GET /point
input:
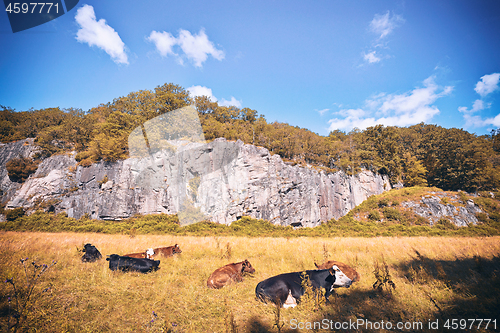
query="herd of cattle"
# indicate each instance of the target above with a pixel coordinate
(284, 289)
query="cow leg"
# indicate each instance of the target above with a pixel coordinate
(290, 301)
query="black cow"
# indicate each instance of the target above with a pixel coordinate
(126, 264)
(91, 253)
(286, 289)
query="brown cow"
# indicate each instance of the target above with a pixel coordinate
(163, 251)
(229, 274)
(346, 269)
(136, 255)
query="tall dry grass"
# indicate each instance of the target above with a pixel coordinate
(435, 279)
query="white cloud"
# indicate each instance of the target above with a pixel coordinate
(487, 84)
(204, 91)
(195, 91)
(100, 34)
(493, 121)
(163, 41)
(322, 112)
(196, 47)
(232, 102)
(405, 109)
(371, 57)
(477, 121)
(383, 25)
(477, 106)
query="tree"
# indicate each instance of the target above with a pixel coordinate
(415, 172)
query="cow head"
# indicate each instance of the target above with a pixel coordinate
(110, 257)
(246, 267)
(176, 249)
(341, 280)
(150, 253)
(87, 247)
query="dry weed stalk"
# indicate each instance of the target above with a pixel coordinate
(26, 298)
(277, 316)
(384, 280)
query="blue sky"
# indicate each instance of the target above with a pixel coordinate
(321, 65)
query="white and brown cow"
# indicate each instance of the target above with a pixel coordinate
(163, 251)
(346, 269)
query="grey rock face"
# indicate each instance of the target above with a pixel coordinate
(433, 209)
(21, 148)
(221, 180)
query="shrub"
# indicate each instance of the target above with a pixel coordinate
(374, 216)
(86, 162)
(482, 217)
(82, 156)
(463, 197)
(392, 214)
(445, 224)
(445, 200)
(420, 220)
(19, 169)
(14, 214)
(104, 180)
(383, 203)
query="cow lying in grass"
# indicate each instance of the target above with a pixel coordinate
(163, 251)
(91, 253)
(346, 269)
(287, 289)
(229, 274)
(140, 255)
(127, 264)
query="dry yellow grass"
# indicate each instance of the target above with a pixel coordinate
(444, 280)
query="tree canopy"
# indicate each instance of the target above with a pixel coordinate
(451, 159)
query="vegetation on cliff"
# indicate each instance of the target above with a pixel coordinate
(380, 215)
(451, 159)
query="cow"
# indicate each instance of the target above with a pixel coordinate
(127, 264)
(229, 274)
(91, 253)
(163, 251)
(286, 289)
(136, 255)
(346, 269)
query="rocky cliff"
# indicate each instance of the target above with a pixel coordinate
(221, 181)
(433, 207)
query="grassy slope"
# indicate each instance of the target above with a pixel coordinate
(449, 278)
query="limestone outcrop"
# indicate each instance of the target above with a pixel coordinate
(221, 181)
(433, 208)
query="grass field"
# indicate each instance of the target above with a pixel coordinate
(436, 279)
